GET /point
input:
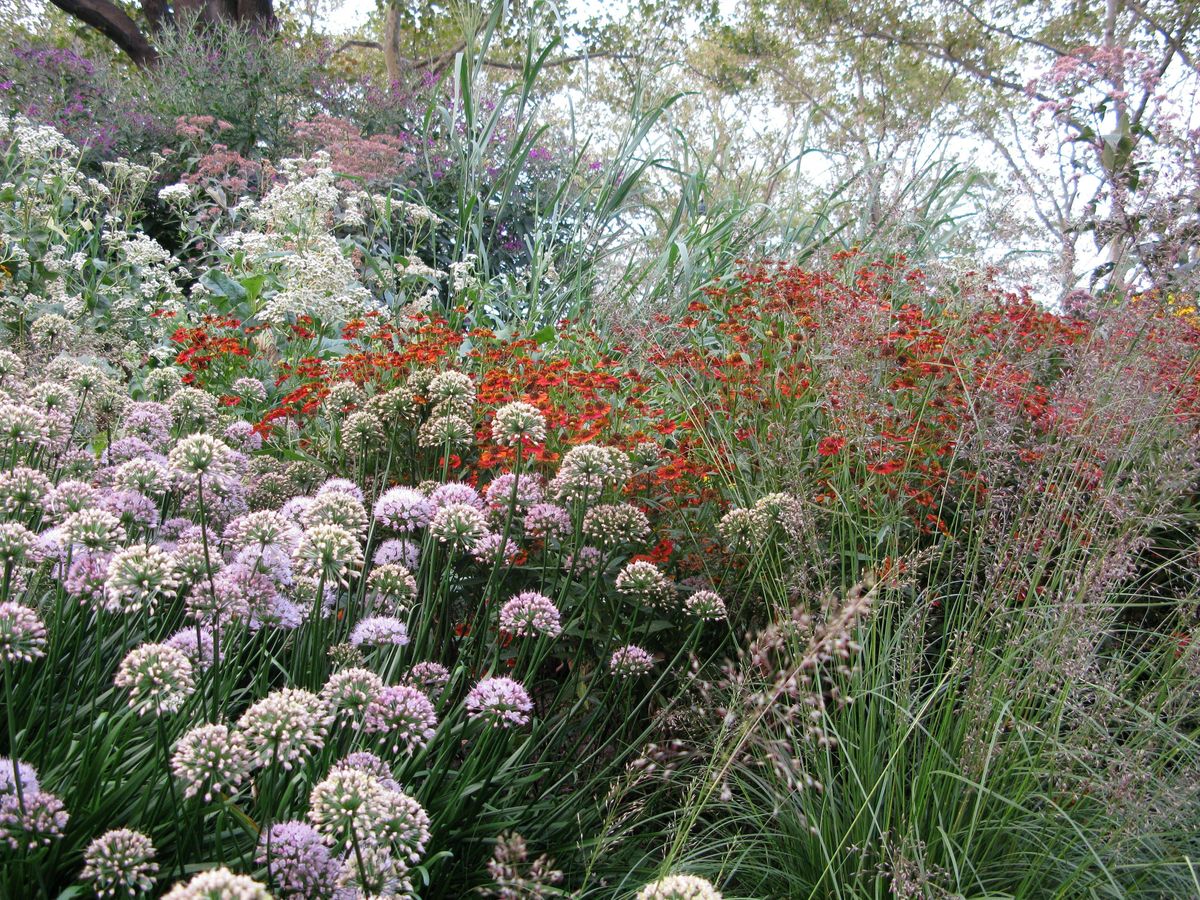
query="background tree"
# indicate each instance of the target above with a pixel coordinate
(136, 38)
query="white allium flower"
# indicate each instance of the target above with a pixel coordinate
(219, 884)
(679, 887)
(286, 726)
(158, 676)
(519, 423)
(120, 863)
(211, 759)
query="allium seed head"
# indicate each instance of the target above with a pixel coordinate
(679, 887)
(519, 423)
(403, 509)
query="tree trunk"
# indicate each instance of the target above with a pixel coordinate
(391, 44)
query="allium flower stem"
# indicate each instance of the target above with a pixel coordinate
(12, 732)
(164, 751)
(500, 563)
(215, 674)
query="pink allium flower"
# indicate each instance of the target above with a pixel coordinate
(499, 702)
(403, 718)
(530, 614)
(630, 661)
(403, 509)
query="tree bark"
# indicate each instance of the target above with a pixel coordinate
(391, 44)
(111, 21)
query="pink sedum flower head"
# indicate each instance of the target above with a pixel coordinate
(499, 703)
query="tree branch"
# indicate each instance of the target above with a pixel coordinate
(111, 21)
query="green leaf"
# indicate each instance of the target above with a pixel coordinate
(221, 285)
